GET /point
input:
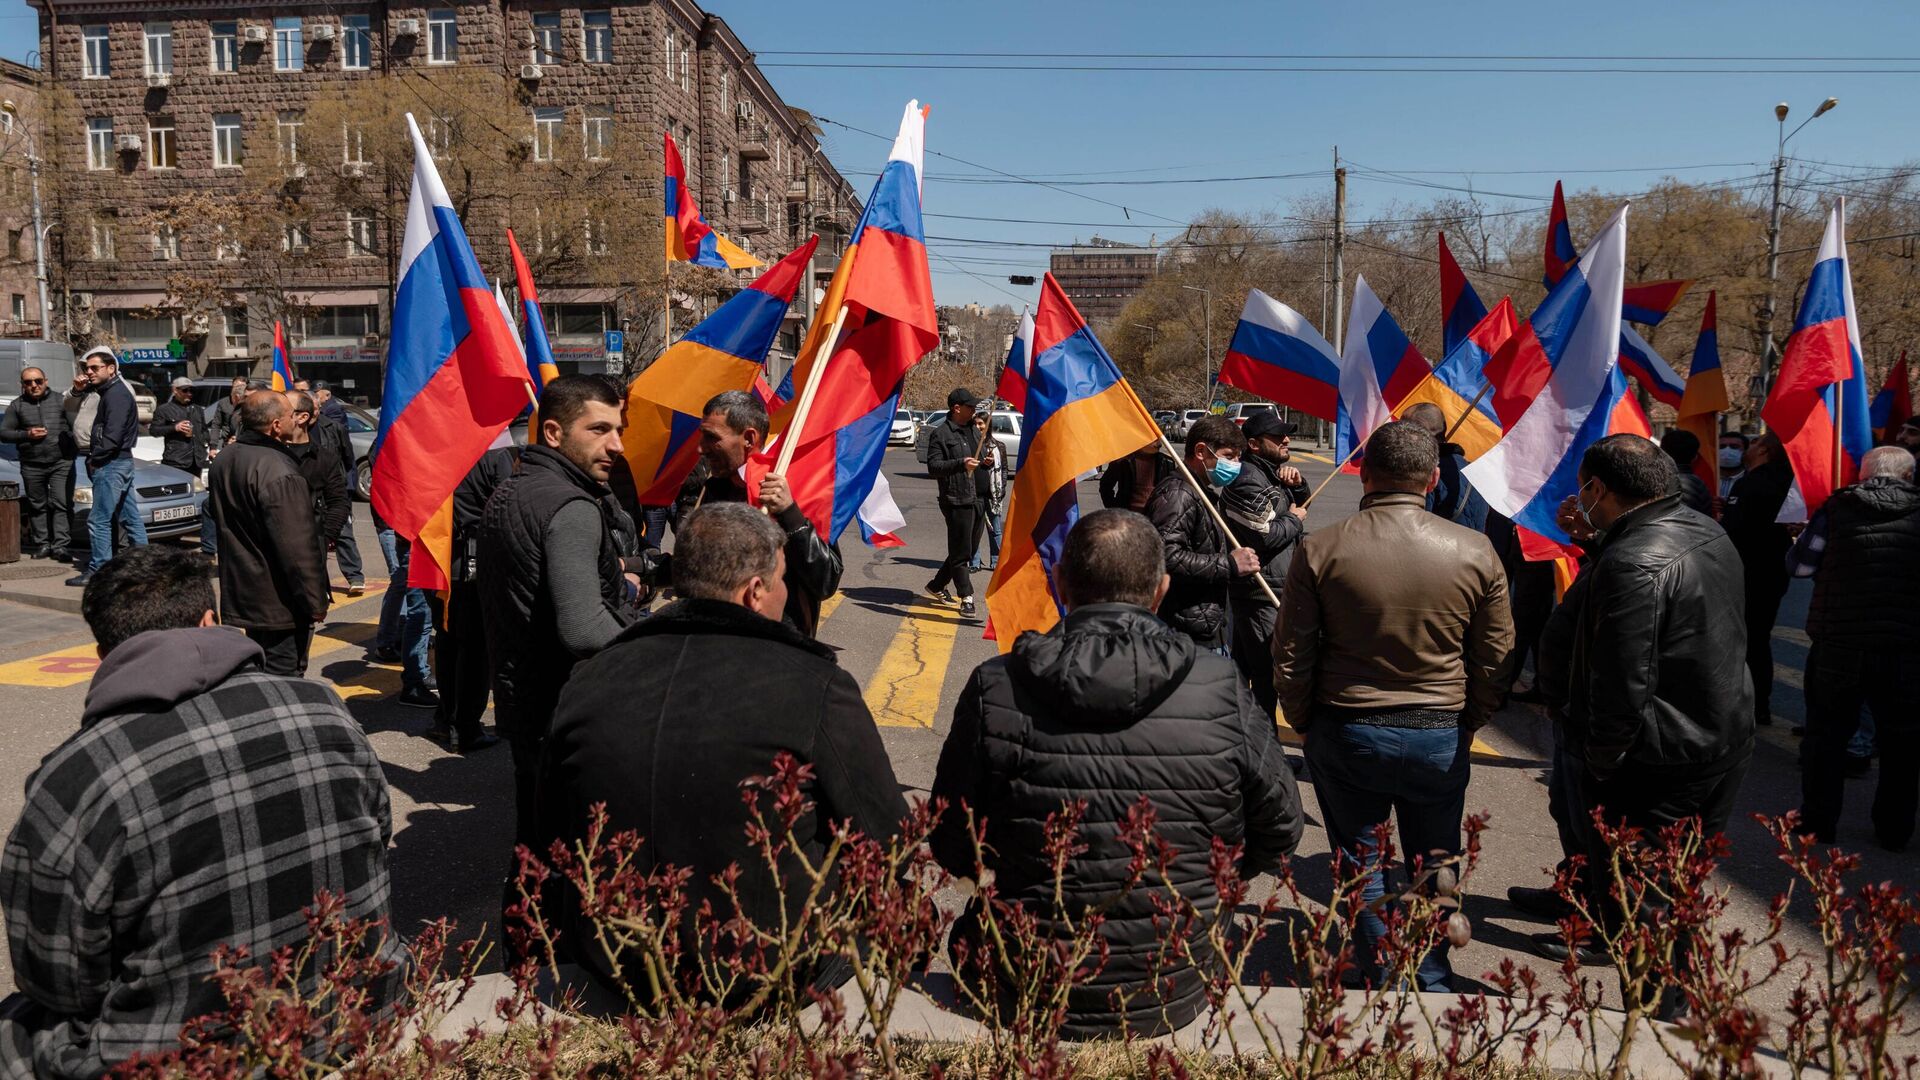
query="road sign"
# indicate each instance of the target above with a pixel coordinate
(616, 341)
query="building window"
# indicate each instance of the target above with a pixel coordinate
(546, 131)
(19, 307)
(100, 239)
(725, 92)
(295, 236)
(356, 43)
(578, 321)
(14, 236)
(289, 49)
(99, 142)
(686, 65)
(360, 234)
(226, 45)
(225, 247)
(159, 48)
(596, 237)
(286, 129)
(166, 243)
(596, 37)
(596, 132)
(233, 330)
(98, 64)
(342, 324)
(131, 329)
(440, 135)
(354, 139)
(443, 36)
(546, 38)
(160, 142)
(227, 153)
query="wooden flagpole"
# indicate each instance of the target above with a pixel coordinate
(1258, 577)
(790, 439)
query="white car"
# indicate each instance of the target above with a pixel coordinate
(1005, 427)
(1186, 422)
(905, 429)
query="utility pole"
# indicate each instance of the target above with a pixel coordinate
(1339, 244)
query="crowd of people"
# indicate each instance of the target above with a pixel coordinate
(1199, 612)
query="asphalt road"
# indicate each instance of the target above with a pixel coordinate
(452, 815)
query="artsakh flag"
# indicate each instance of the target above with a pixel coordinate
(1893, 406)
(689, 237)
(454, 377)
(281, 376)
(886, 289)
(1818, 404)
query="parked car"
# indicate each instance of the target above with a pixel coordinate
(905, 430)
(362, 426)
(143, 401)
(1185, 423)
(170, 501)
(1166, 418)
(1247, 410)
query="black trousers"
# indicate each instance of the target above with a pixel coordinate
(1840, 682)
(960, 548)
(1253, 651)
(1764, 591)
(1530, 587)
(286, 649)
(462, 665)
(49, 497)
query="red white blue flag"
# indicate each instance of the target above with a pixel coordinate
(1378, 368)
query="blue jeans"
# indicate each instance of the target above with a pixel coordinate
(403, 613)
(653, 526)
(113, 498)
(1365, 774)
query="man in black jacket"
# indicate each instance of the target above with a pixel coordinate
(664, 724)
(1202, 562)
(273, 573)
(554, 590)
(1749, 519)
(953, 453)
(1110, 706)
(733, 428)
(183, 427)
(1862, 550)
(115, 431)
(460, 648)
(1658, 703)
(223, 426)
(319, 466)
(36, 423)
(333, 444)
(1266, 509)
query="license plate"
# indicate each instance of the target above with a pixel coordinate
(173, 513)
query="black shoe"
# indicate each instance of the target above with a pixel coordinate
(1544, 903)
(1554, 947)
(418, 697)
(79, 581)
(967, 610)
(60, 555)
(476, 744)
(1858, 766)
(377, 655)
(941, 595)
(441, 735)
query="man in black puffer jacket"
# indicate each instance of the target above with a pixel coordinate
(1202, 561)
(1110, 706)
(1862, 550)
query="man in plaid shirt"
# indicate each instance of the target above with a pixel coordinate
(201, 803)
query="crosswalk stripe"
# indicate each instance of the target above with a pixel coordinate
(905, 689)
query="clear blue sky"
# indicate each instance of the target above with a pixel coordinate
(1133, 125)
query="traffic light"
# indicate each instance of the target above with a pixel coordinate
(1020, 279)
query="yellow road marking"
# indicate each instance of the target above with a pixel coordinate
(1313, 457)
(830, 605)
(905, 688)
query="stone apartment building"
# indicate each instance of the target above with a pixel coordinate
(163, 104)
(19, 287)
(1101, 275)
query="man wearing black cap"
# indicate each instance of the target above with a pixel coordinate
(952, 456)
(1265, 506)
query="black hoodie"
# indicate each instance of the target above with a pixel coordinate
(1109, 706)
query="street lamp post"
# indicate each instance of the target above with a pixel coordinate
(1772, 353)
(1206, 309)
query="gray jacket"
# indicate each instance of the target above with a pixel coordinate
(50, 413)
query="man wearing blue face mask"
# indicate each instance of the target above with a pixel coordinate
(1202, 562)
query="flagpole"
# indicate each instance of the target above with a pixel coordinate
(790, 439)
(1471, 405)
(1258, 577)
(1839, 430)
(1355, 452)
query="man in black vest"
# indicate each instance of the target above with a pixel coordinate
(1862, 550)
(554, 588)
(36, 422)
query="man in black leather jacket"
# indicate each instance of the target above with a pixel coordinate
(1202, 562)
(1266, 509)
(953, 455)
(1658, 704)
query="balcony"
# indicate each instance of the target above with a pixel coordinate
(797, 190)
(756, 140)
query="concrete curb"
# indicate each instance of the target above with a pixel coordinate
(67, 604)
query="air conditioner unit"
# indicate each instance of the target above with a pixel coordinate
(370, 339)
(194, 326)
(729, 196)
(159, 78)
(744, 110)
(254, 35)
(531, 72)
(83, 299)
(127, 143)
(321, 31)
(298, 171)
(406, 28)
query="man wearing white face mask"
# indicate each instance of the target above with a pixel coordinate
(1201, 560)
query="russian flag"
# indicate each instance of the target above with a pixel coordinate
(1460, 307)
(1080, 415)
(851, 386)
(1649, 368)
(533, 330)
(1276, 354)
(1459, 384)
(1013, 377)
(1706, 397)
(1378, 368)
(1893, 406)
(1818, 405)
(725, 352)
(454, 375)
(281, 376)
(1571, 347)
(1560, 253)
(689, 237)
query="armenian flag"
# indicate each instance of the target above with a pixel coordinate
(1651, 301)
(1460, 307)
(1893, 406)
(1080, 415)
(1459, 383)
(454, 375)
(281, 377)
(1560, 254)
(689, 237)
(1706, 397)
(533, 327)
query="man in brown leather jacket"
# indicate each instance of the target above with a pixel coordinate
(1392, 648)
